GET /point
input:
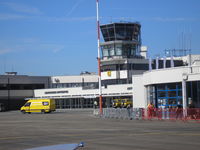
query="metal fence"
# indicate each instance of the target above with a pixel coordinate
(155, 114)
(120, 113)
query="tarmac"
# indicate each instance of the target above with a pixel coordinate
(22, 131)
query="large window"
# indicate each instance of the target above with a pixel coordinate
(168, 95)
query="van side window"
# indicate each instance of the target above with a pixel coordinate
(45, 103)
(27, 104)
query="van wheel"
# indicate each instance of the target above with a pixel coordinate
(23, 111)
(43, 111)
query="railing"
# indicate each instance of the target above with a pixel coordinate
(172, 113)
(120, 113)
(154, 114)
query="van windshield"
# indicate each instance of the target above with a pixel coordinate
(27, 104)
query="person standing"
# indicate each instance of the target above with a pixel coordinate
(95, 104)
(191, 110)
(150, 109)
(179, 111)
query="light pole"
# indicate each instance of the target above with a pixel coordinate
(99, 60)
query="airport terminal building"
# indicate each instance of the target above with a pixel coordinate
(126, 72)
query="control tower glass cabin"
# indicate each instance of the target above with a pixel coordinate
(120, 57)
(122, 40)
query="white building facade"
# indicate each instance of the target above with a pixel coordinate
(169, 86)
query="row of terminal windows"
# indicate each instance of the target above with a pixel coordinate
(117, 67)
(115, 81)
(21, 86)
(86, 85)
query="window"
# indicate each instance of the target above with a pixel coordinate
(3, 86)
(129, 88)
(105, 50)
(171, 86)
(123, 67)
(161, 94)
(27, 104)
(118, 48)
(168, 94)
(112, 50)
(161, 87)
(45, 103)
(172, 94)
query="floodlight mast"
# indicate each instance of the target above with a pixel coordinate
(99, 59)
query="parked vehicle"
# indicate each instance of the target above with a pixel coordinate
(121, 103)
(39, 105)
(126, 102)
(2, 107)
(116, 103)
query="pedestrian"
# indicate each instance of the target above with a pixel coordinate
(129, 111)
(179, 111)
(191, 110)
(95, 104)
(150, 109)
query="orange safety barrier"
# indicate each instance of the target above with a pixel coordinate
(171, 113)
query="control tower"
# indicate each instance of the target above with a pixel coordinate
(121, 55)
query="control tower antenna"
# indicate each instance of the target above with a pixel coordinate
(99, 60)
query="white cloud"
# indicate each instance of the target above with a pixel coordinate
(66, 19)
(22, 8)
(4, 16)
(58, 48)
(55, 48)
(178, 19)
(29, 44)
(5, 51)
(74, 7)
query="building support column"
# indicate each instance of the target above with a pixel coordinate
(184, 95)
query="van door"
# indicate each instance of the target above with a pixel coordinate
(27, 107)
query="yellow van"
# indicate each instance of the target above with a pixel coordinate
(39, 105)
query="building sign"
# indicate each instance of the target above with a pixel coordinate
(109, 73)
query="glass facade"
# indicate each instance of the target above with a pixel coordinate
(168, 95)
(121, 31)
(193, 92)
(165, 95)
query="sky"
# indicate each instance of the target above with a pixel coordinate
(58, 37)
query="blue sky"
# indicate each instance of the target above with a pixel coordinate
(58, 37)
